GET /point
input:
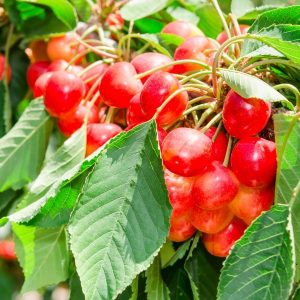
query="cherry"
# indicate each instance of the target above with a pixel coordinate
(253, 160)
(211, 221)
(8, 72)
(63, 93)
(58, 65)
(156, 90)
(219, 146)
(119, 85)
(92, 74)
(219, 244)
(65, 47)
(149, 60)
(245, 117)
(182, 28)
(37, 51)
(35, 70)
(71, 122)
(40, 84)
(180, 228)
(161, 134)
(186, 151)
(180, 192)
(135, 115)
(249, 202)
(196, 48)
(7, 250)
(98, 134)
(222, 37)
(215, 188)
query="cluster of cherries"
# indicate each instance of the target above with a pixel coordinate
(208, 191)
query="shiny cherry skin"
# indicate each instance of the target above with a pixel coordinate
(135, 115)
(249, 202)
(58, 65)
(63, 93)
(65, 47)
(219, 146)
(119, 85)
(186, 151)
(34, 71)
(215, 188)
(40, 84)
(8, 72)
(211, 221)
(181, 228)
(195, 48)
(182, 28)
(180, 192)
(72, 122)
(161, 135)
(219, 244)
(253, 160)
(245, 117)
(149, 60)
(98, 134)
(222, 37)
(156, 90)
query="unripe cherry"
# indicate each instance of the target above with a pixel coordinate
(40, 84)
(34, 71)
(182, 28)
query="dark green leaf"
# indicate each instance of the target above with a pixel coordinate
(179, 254)
(5, 109)
(75, 288)
(6, 286)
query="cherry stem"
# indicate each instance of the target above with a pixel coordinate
(212, 122)
(77, 56)
(217, 131)
(228, 151)
(197, 99)
(93, 89)
(91, 66)
(237, 30)
(291, 88)
(202, 86)
(194, 75)
(204, 116)
(127, 53)
(181, 77)
(270, 62)
(198, 107)
(110, 114)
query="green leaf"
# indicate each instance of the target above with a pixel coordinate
(75, 288)
(137, 9)
(148, 25)
(124, 201)
(43, 255)
(83, 8)
(22, 149)
(5, 110)
(260, 265)
(179, 254)
(287, 135)
(177, 12)
(7, 285)
(166, 252)
(156, 289)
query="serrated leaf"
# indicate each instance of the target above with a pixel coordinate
(43, 255)
(260, 265)
(122, 217)
(167, 251)
(155, 287)
(5, 110)
(137, 9)
(75, 288)
(22, 149)
(179, 254)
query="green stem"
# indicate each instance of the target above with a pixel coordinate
(269, 62)
(199, 107)
(228, 152)
(217, 131)
(197, 99)
(212, 122)
(127, 53)
(194, 75)
(110, 115)
(204, 116)
(291, 88)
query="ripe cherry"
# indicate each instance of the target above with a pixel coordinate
(119, 85)
(93, 74)
(219, 244)
(8, 72)
(182, 28)
(186, 151)
(211, 221)
(222, 37)
(149, 60)
(58, 65)
(35, 70)
(135, 115)
(7, 250)
(40, 84)
(253, 160)
(219, 146)
(98, 134)
(37, 51)
(249, 202)
(71, 122)
(65, 47)
(63, 93)
(156, 90)
(161, 134)
(215, 188)
(197, 48)
(180, 228)
(245, 117)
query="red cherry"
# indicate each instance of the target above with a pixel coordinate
(7, 250)
(161, 134)
(215, 188)
(186, 151)
(63, 93)
(34, 71)
(99, 134)
(249, 202)
(65, 47)
(253, 160)
(149, 60)
(211, 221)
(40, 84)
(182, 28)
(119, 85)
(71, 122)
(58, 65)
(245, 117)
(180, 228)
(8, 72)
(219, 146)
(156, 90)
(115, 20)
(91, 76)
(219, 244)
(180, 192)
(135, 115)
(194, 48)
(222, 37)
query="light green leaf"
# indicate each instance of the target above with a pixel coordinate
(124, 201)
(22, 149)
(179, 13)
(260, 265)
(43, 255)
(84, 9)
